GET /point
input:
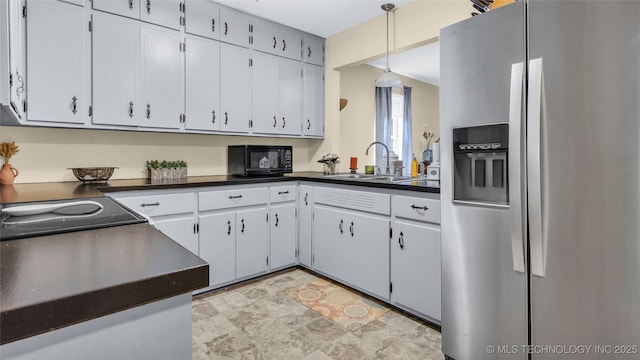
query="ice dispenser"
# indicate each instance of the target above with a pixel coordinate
(480, 164)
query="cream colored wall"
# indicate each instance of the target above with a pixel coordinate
(45, 154)
(357, 119)
(412, 25)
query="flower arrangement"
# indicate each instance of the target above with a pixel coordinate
(7, 150)
(329, 160)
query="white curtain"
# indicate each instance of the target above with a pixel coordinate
(383, 124)
(407, 151)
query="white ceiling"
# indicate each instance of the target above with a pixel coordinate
(329, 17)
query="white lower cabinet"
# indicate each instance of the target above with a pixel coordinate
(218, 246)
(353, 247)
(181, 229)
(252, 238)
(305, 214)
(283, 235)
(415, 256)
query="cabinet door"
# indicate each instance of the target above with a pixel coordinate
(202, 18)
(290, 43)
(283, 235)
(415, 249)
(17, 62)
(202, 84)
(58, 62)
(304, 225)
(265, 94)
(181, 230)
(218, 246)
(162, 12)
(368, 253)
(251, 242)
(330, 229)
(265, 36)
(313, 50)
(290, 97)
(313, 101)
(162, 71)
(128, 8)
(234, 27)
(116, 64)
(234, 89)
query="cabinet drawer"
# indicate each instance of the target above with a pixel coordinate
(224, 199)
(159, 205)
(416, 209)
(353, 199)
(283, 193)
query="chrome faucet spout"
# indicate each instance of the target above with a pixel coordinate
(366, 152)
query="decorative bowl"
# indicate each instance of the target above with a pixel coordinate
(93, 173)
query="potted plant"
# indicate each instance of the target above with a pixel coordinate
(155, 173)
(8, 172)
(329, 160)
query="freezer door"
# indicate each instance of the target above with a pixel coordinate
(484, 288)
(585, 247)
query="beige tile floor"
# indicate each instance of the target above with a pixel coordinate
(259, 321)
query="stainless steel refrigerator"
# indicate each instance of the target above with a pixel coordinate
(540, 188)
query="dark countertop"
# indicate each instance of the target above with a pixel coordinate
(75, 189)
(49, 282)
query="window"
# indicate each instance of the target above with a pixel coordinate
(397, 112)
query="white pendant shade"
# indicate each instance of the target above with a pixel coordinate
(388, 79)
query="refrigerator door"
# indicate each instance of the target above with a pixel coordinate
(484, 298)
(585, 261)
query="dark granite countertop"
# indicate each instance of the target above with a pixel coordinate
(49, 282)
(74, 189)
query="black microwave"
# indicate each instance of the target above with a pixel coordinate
(259, 160)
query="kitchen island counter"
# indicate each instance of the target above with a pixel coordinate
(50, 282)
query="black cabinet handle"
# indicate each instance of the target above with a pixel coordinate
(275, 42)
(242, 222)
(284, 122)
(130, 4)
(419, 207)
(283, 192)
(231, 197)
(309, 51)
(308, 124)
(74, 104)
(275, 121)
(130, 109)
(306, 195)
(340, 226)
(351, 229)
(213, 121)
(228, 227)
(401, 240)
(148, 111)
(284, 45)
(226, 118)
(148, 6)
(213, 25)
(150, 204)
(277, 220)
(226, 28)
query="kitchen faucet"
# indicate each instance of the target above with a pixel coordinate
(366, 152)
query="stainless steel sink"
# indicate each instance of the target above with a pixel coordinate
(371, 178)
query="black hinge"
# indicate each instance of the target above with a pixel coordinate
(296, 253)
(10, 79)
(296, 212)
(250, 62)
(198, 228)
(267, 260)
(24, 105)
(90, 110)
(90, 26)
(390, 233)
(390, 287)
(24, 11)
(313, 259)
(267, 217)
(182, 7)
(183, 47)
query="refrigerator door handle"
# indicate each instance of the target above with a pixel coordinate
(534, 166)
(516, 180)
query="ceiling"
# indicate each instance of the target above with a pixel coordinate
(328, 17)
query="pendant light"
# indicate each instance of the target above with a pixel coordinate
(387, 79)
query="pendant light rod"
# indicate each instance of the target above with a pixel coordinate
(387, 7)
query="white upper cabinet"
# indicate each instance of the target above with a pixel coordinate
(17, 59)
(235, 106)
(266, 112)
(276, 39)
(58, 42)
(234, 27)
(313, 50)
(202, 84)
(290, 97)
(128, 8)
(116, 68)
(313, 101)
(203, 18)
(162, 78)
(161, 12)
